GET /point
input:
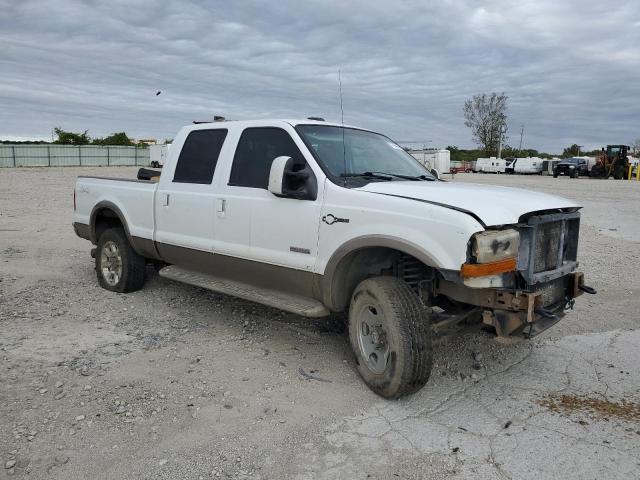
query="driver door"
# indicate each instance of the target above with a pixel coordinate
(256, 225)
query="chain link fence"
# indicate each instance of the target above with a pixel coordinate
(71, 156)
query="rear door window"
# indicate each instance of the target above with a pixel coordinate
(257, 148)
(199, 156)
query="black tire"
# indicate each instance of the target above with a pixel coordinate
(407, 334)
(555, 175)
(598, 171)
(619, 173)
(132, 266)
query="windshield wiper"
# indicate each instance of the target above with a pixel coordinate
(388, 176)
(405, 177)
(377, 176)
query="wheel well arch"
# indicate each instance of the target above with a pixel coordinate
(106, 215)
(348, 267)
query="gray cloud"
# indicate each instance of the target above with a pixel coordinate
(571, 69)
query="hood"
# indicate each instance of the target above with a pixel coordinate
(490, 204)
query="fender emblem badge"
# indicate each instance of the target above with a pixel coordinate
(331, 219)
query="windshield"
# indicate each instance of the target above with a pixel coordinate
(347, 152)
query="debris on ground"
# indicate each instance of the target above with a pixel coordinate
(596, 407)
(312, 377)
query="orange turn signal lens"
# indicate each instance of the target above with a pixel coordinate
(483, 269)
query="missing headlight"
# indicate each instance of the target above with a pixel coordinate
(494, 245)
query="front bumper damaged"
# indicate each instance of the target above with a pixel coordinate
(521, 313)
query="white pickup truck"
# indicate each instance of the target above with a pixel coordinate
(314, 218)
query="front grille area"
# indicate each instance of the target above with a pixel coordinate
(548, 246)
(552, 292)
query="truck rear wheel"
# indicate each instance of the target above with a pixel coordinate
(390, 335)
(118, 266)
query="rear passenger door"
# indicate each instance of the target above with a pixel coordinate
(185, 201)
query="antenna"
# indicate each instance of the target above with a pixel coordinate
(344, 148)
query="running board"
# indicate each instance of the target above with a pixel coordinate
(307, 307)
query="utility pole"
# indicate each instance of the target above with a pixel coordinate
(521, 135)
(503, 130)
(579, 147)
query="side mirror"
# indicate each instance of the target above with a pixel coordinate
(276, 174)
(435, 173)
(292, 180)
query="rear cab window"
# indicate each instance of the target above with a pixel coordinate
(199, 156)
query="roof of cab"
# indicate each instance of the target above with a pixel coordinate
(262, 122)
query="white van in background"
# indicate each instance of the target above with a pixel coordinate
(491, 165)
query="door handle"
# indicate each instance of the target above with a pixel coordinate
(166, 200)
(221, 207)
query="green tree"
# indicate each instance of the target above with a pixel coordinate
(509, 151)
(572, 151)
(119, 138)
(71, 138)
(486, 116)
(462, 155)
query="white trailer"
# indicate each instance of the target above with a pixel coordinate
(158, 154)
(528, 165)
(491, 165)
(439, 159)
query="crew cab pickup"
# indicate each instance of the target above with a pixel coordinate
(318, 218)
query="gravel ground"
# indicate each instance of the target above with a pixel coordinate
(178, 382)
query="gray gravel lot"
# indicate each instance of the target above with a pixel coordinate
(178, 382)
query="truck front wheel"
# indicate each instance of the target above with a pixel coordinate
(118, 266)
(390, 335)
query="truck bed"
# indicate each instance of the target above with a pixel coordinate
(132, 198)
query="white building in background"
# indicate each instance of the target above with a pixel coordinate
(433, 158)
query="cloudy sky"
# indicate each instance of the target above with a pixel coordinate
(571, 68)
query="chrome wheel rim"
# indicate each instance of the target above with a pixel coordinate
(111, 263)
(373, 338)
